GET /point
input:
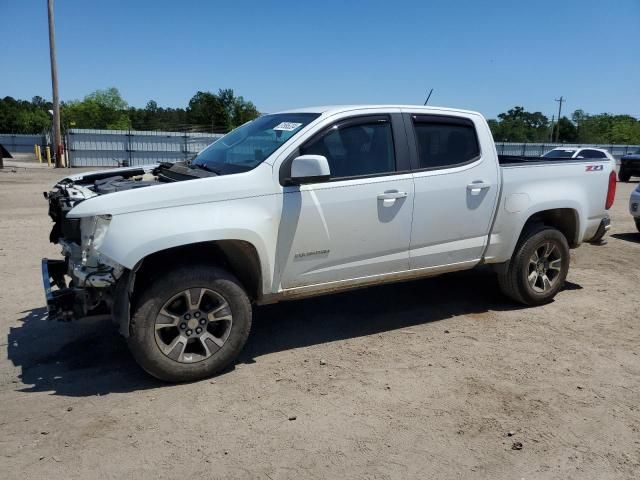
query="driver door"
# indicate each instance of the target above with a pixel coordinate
(357, 224)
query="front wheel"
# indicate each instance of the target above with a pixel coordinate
(190, 324)
(538, 267)
(624, 176)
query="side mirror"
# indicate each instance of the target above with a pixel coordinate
(580, 157)
(309, 169)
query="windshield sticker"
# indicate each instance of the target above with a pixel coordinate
(287, 126)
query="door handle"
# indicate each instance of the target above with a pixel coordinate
(392, 195)
(476, 187)
(389, 198)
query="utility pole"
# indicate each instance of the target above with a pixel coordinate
(552, 127)
(559, 100)
(57, 136)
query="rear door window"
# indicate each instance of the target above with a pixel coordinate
(445, 142)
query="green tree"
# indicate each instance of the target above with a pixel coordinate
(109, 98)
(518, 125)
(32, 121)
(104, 109)
(568, 132)
(222, 111)
(606, 128)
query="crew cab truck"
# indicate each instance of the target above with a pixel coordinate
(309, 202)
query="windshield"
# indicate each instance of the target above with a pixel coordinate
(559, 154)
(248, 146)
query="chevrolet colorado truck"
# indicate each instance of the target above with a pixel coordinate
(309, 202)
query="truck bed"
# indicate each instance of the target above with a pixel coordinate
(534, 183)
(505, 160)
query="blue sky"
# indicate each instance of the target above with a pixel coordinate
(481, 55)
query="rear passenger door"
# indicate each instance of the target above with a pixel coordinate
(358, 223)
(456, 188)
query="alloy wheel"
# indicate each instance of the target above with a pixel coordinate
(193, 325)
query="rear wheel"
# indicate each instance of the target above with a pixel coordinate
(190, 324)
(538, 268)
(624, 176)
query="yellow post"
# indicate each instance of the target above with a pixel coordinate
(48, 151)
(38, 153)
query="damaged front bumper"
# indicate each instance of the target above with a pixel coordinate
(89, 292)
(60, 302)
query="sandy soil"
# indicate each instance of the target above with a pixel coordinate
(432, 379)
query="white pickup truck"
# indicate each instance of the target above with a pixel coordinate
(309, 202)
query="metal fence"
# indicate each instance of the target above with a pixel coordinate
(107, 148)
(130, 147)
(17, 143)
(537, 149)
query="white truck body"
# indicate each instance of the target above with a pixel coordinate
(337, 233)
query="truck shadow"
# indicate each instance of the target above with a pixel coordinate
(629, 237)
(90, 358)
(374, 310)
(74, 359)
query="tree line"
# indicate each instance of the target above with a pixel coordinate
(222, 111)
(519, 125)
(106, 109)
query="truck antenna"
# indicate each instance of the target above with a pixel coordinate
(428, 96)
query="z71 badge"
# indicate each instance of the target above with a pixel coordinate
(594, 168)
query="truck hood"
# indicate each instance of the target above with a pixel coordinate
(158, 194)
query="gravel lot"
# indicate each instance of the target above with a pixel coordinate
(440, 378)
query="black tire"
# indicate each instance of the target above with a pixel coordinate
(144, 342)
(624, 176)
(514, 281)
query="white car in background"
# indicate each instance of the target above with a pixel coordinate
(576, 152)
(634, 206)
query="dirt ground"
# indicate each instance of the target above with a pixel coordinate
(441, 378)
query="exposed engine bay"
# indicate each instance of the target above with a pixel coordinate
(69, 192)
(85, 281)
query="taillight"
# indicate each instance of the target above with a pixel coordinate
(611, 192)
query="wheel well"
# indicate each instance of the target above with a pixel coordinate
(563, 219)
(236, 256)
